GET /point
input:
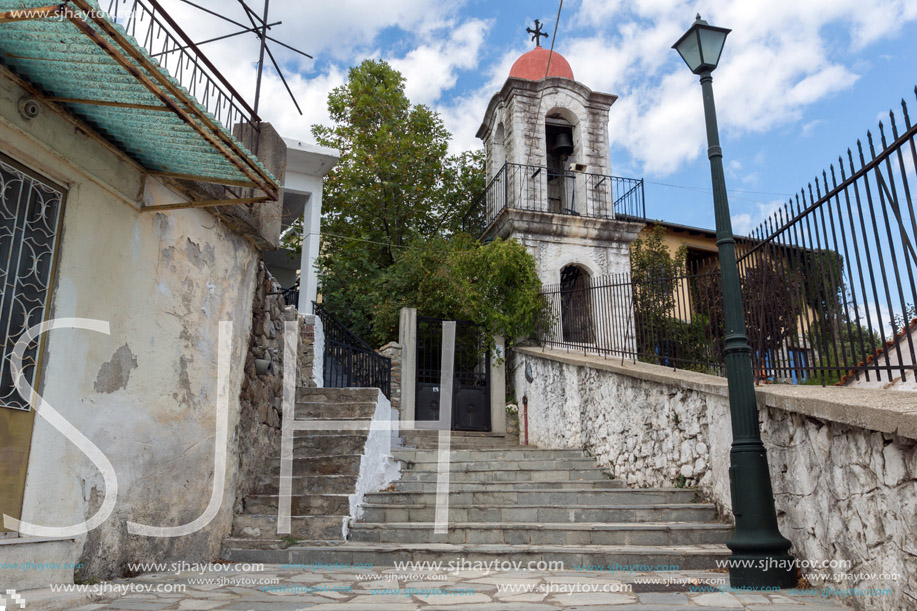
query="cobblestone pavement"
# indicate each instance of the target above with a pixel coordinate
(279, 588)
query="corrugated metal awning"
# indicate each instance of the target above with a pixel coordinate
(85, 60)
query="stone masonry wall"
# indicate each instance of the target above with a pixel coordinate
(843, 461)
(258, 433)
(393, 350)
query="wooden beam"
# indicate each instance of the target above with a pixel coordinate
(30, 14)
(213, 203)
(108, 103)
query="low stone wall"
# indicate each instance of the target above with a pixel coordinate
(261, 399)
(843, 461)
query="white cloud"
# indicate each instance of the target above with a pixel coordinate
(433, 68)
(744, 223)
(782, 57)
(776, 63)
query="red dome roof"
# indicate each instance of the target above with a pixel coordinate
(532, 65)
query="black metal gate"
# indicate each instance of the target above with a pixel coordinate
(471, 381)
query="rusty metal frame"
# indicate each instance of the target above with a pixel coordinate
(160, 86)
(207, 204)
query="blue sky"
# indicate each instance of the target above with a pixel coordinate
(799, 80)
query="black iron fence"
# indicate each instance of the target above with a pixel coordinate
(527, 187)
(653, 320)
(828, 284)
(349, 362)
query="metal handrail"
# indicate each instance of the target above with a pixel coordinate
(349, 362)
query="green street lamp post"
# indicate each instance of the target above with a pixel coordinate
(759, 552)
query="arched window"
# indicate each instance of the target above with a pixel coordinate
(576, 305)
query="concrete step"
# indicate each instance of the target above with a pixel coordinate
(557, 497)
(545, 533)
(310, 484)
(426, 439)
(238, 543)
(684, 557)
(570, 487)
(499, 454)
(343, 464)
(300, 505)
(569, 514)
(306, 445)
(434, 446)
(254, 526)
(482, 476)
(322, 410)
(337, 395)
(521, 464)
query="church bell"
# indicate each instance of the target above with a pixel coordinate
(563, 144)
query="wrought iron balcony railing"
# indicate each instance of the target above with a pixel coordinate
(527, 187)
(154, 29)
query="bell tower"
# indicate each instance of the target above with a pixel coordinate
(549, 182)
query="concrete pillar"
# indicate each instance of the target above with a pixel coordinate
(311, 232)
(498, 387)
(407, 337)
(447, 376)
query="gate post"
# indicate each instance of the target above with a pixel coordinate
(407, 337)
(498, 387)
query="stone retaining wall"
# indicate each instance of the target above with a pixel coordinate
(258, 433)
(843, 461)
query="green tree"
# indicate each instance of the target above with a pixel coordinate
(394, 184)
(655, 275)
(494, 285)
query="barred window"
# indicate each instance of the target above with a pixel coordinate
(30, 210)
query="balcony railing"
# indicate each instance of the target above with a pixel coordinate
(153, 28)
(527, 187)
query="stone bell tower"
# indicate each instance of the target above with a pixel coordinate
(549, 174)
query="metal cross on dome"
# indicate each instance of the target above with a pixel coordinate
(536, 33)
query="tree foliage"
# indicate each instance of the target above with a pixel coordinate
(494, 285)
(654, 273)
(395, 184)
(392, 209)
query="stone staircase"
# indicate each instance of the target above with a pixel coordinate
(326, 465)
(507, 503)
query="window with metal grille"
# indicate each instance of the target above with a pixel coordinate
(30, 211)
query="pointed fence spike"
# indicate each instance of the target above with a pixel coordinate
(907, 119)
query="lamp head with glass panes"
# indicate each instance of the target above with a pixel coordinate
(701, 46)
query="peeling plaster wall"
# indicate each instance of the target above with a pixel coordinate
(843, 461)
(145, 394)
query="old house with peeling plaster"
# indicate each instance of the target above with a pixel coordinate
(134, 220)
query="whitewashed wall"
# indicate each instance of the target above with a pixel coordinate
(843, 461)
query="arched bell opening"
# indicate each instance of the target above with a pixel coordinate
(561, 151)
